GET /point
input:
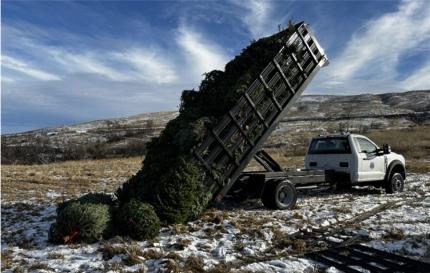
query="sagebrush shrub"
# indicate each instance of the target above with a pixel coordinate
(137, 220)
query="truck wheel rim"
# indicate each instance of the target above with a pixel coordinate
(285, 196)
(397, 183)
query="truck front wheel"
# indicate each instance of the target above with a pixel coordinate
(279, 194)
(395, 183)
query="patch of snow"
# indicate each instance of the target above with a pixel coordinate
(53, 194)
(334, 239)
(283, 265)
(244, 232)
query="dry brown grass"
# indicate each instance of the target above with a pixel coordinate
(413, 143)
(220, 268)
(394, 234)
(23, 182)
(38, 266)
(71, 178)
(171, 266)
(152, 254)
(6, 260)
(133, 254)
(18, 269)
(55, 256)
(194, 264)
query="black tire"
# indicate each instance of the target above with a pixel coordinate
(279, 194)
(395, 183)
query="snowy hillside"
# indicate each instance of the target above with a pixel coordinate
(128, 136)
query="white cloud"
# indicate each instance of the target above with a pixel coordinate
(138, 64)
(203, 56)
(150, 66)
(373, 55)
(96, 79)
(419, 80)
(7, 79)
(385, 40)
(116, 64)
(23, 67)
(88, 63)
(257, 17)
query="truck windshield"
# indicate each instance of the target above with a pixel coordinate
(332, 145)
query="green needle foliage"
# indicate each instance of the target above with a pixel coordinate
(138, 220)
(86, 219)
(97, 198)
(170, 179)
(89, 198)
(80, 222)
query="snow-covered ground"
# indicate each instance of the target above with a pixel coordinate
(241, 237)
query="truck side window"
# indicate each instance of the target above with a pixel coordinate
(365, 145)
(330, 145)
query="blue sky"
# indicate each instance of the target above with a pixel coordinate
(65, 62)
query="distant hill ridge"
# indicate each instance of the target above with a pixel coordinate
(128, 136)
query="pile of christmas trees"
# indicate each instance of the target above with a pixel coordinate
(168, 188)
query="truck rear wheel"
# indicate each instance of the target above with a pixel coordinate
(279, 194)
(395, 183)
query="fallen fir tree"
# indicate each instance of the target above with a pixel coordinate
(86, 219)
(169, 187)
(96, 216)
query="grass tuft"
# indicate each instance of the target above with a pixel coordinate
(194, 264)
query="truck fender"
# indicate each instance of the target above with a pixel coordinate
(395, 166)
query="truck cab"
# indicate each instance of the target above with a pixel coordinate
(353, 159)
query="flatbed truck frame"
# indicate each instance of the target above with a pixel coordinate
(240, 134)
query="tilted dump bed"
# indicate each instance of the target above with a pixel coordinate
(241, 133)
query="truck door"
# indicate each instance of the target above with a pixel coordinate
(371, 167)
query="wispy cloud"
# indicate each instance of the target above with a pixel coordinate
(54, 79)
(87, 62)
(150, 65)
(420, 79)
(27, 69)
(7, 79)
(94, 82)
(373, 54)
(128, 63)
(385, 39)
(259, 16)
(203, 56)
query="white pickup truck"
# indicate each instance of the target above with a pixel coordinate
(339, 160)
(356, 160)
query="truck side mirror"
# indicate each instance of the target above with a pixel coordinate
(386, 148)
